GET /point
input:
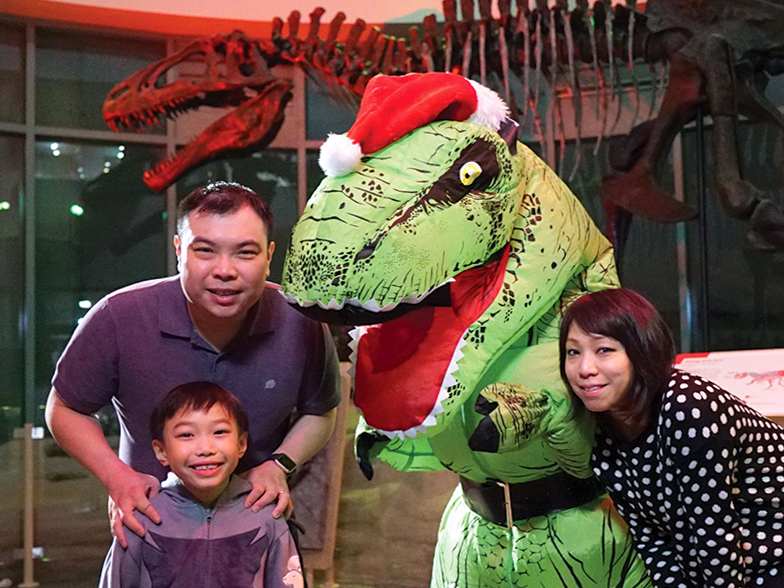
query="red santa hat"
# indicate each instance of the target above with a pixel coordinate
(393, 106)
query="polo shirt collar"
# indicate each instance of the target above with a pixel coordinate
(173, 317)
(263, 322)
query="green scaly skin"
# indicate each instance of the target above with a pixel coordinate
(519, 246)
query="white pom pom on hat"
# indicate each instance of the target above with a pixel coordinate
(394, 106)
(339, 155)
(491, 110)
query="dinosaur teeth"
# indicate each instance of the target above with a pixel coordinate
(371, 305)
(331, 305)
(353, 343)
(414, 298)
(289, 298)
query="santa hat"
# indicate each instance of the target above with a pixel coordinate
(393, 106)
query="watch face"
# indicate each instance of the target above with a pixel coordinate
(284, 460)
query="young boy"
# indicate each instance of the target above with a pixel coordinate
(207, 538)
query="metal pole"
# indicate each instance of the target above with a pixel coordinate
(29, 458)
(702, 232)
(30, 405)
(686, 319)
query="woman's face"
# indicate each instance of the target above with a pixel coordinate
(598, 370)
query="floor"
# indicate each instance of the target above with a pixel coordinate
(386, 528)
(385, 534)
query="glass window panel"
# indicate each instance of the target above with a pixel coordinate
(314, 172)
(327, 113)
(76, 538)
(11, 291)
(98, 228)
(75, 72)
(12, 402)
(12, 73)
(272, 174)
(648, 263)
(745, 287)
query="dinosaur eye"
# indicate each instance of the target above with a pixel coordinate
(470, 172)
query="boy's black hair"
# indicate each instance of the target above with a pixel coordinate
(223, 198)
(196, 396)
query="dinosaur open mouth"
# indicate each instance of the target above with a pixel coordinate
(355, 315)
(404, 367)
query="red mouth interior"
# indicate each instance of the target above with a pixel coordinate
(401, 364)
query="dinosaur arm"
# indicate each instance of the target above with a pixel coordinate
(512, 416)
(537, 419)
(516, 415)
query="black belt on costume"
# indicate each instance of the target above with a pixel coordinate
(529, 499)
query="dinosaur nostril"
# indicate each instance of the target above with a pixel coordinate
(366, 252)
(368, 249)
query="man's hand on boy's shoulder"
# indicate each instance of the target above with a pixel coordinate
(129, 492)
(269, 484)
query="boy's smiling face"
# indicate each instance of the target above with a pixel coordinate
(202, 448)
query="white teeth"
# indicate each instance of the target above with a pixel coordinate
(414, 298)
(289, 298)
(371, 305)
(207, 467)
(354, 335)
(331, 305)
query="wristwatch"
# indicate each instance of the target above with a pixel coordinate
(284, 462)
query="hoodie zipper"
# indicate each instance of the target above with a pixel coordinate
(209, 547)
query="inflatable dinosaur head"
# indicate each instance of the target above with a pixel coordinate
(430, 233)
(410, 238)
(443, 200)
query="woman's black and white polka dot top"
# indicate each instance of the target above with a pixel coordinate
(702, 489)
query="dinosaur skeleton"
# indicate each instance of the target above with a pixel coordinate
(718, 55)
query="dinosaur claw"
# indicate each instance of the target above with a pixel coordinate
(366, 469)
(638, 193)
(366, 448)
(485, 438)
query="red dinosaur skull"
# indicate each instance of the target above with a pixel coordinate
(235, 74)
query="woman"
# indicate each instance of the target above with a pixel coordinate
(697, 474)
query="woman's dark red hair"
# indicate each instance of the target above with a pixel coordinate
(629, 318)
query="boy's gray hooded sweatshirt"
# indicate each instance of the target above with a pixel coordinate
(226, 546)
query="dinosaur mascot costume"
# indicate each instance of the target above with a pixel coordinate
(455, 249)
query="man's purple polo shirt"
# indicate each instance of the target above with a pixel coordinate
(138, 343)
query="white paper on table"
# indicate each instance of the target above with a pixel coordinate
(755, 376)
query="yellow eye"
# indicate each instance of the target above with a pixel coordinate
(470, 172)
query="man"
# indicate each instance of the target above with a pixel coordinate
(217, 321)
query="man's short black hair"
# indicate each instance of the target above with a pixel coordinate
(223, 198)
(196, 396)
